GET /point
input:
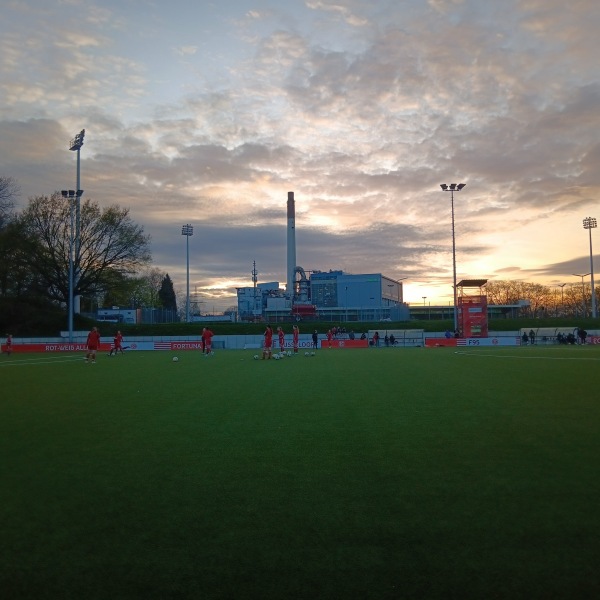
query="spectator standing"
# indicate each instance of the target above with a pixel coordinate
(525, 338)
(532, 337)
(315, 339)
(376, 339)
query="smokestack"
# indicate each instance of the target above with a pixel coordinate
(291, 244)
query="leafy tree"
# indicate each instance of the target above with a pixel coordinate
(166, 294)
(112, 246)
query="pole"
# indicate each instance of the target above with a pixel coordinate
(187, 230)
(75, 145)
(187, 302)
(71, 280)
(592, 273)
(454, 264)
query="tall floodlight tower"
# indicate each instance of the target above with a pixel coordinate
(254, 283)
(291, 244)
(75, 146)
(453, 187)
(590, 223)
(188, 231)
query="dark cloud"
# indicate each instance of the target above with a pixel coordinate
(362, 110)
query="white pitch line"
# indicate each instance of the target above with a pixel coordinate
(43, 361)
(528, 357)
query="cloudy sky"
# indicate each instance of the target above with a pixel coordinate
(208, 113)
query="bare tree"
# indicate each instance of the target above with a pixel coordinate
(111, 245)
(9, 190)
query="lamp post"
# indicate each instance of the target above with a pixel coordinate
(453, 187)
(590, 223)
(582, 290)
(188, 231)
(562, 297)
(346, 302)
(75, 145)
(71, 196)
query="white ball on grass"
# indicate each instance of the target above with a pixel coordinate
(175, 359)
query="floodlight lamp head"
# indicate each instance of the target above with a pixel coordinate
(71, 193)
(77, 142)
(79, 193)
(452, 186)
(444, 186)
(590, 223)
(460, 186)
(64, 193)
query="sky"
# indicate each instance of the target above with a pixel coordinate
(209, 113)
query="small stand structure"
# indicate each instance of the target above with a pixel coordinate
(472, 309)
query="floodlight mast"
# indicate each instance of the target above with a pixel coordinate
(70, 195)
(453, 187)
(582, 289)
(187, 230)
(75, 146)
(590, 223)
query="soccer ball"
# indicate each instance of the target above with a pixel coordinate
(312, 353)
(306, 354)
(276, 356)
(256, 357)
(289, 352)
(175, 359)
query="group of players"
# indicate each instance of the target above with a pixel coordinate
(93, 345)
(268, 341)
(93, 342)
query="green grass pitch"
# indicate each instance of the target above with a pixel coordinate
(380, 473)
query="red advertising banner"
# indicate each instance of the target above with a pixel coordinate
(177, 345)
(345, 344)
(472, 316)
(440, 342)
(57, 347)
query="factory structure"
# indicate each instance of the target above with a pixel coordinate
(331, 295)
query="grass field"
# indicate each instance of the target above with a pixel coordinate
(389, 473)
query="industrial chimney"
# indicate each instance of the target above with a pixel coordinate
(291, 244)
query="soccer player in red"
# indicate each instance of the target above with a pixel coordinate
(93, 342)
(281, 336)
(8, 345)
(329, 337)
(117, 344)
(207, 335)
(203, 338)
(295, 338)
(268, 345)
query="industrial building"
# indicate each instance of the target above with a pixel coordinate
(324, 295)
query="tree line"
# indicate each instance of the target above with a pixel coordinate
(564, 300)
(110, 257)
